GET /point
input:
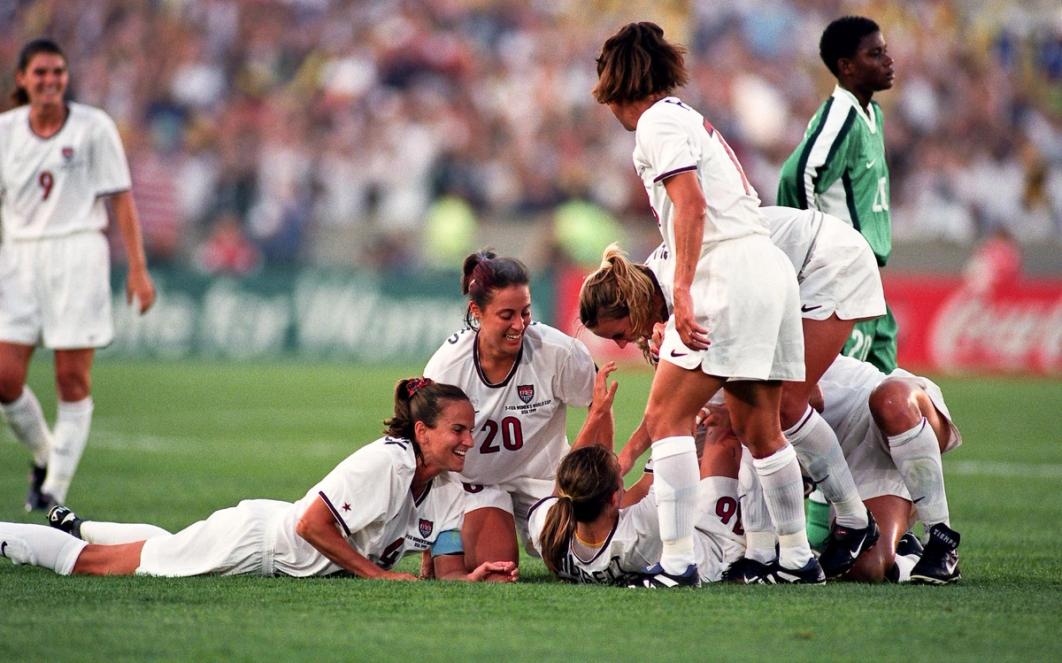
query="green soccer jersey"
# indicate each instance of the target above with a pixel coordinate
(839, 168)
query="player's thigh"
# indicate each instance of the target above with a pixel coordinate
(14, 365)
(823, 340)
(121, 559)
(73, 373)
(675, 397)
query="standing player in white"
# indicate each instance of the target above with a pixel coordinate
(521, 377)
(361, 518)
(736, 320)
(59, 161)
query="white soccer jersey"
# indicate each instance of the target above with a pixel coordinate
(633, 545)
(51, 187)
(521, 422)
(369, 496)
(441, 510)
(672, 138)
(634, 542)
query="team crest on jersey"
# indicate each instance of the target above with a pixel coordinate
(426, 526)
(526, 392)
(68, 153)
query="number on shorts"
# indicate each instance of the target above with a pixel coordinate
(512, 436)
(47, 181)
(727, 508)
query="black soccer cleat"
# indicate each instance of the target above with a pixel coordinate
(36, 499)
(655, 577)
(940, 559)
(809, 574)
(746, 571)
(62, 518)
(909, 545)
(845, 545)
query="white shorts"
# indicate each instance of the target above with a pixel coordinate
(867, 451)
(56, 292)
(516, 497)
(745, 294)
(715, 545)
(234, 541)
(841, 276)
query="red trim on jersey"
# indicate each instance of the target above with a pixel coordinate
(479, 369)
(335, 512)
(61, 127)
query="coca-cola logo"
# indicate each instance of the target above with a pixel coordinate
(1010, 334)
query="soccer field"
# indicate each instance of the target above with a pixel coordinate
(171, 443)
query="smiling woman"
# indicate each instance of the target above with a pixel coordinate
(390, 497)
(521, 376)
(59, 162)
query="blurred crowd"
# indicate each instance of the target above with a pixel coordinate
(378, 133)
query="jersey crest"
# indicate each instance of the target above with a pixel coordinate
(425, 526)
(68, 153)
(526, 392)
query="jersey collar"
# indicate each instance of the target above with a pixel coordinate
(866, 115)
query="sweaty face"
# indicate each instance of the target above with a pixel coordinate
(872, 67)
(444, 446)
(503, 321)
(44, 79)
(617, 330)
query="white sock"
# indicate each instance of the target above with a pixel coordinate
(759, 532)
(26, 419)
(94, 531)
(904, 564)
(820, 455)
(71, 434)
(675, 481)
(917, 457)
(40, 545)
(783, 490)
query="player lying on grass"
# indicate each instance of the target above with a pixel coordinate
(893, 430)
(838, 285)
(593, 531)
(390, 497)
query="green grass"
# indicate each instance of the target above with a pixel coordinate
(173, 442)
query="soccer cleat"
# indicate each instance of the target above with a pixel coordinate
(655, 577)
(909, 545)
(845, 545)
(746, 571)
(37, 500)
(940, 559)
(809, 574)
(62, 518)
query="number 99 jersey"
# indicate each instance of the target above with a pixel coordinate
(51, 187)
(521, 422)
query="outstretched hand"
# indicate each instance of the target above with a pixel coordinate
(604, 392)
(495, 572)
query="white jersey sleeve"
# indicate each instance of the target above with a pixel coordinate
(574, 381)
(109, 166)
(362, 489)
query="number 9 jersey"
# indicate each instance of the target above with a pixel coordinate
(51, 187)
(521, 422)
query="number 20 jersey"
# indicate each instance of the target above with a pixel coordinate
(52, 187)
(521, 422)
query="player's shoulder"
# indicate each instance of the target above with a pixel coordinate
(386, 452)
(85, 114)
(668, 112)
(541, 337)
(455, 350)
(16, 117)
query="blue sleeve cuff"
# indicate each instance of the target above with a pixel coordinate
(448, 543)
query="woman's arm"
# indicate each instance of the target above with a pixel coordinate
(452, 567)
(318, 527)
(138, 282)
(686, 195)
(599, 427)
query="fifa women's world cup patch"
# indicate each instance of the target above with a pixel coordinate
(426, 526)
(526, 392)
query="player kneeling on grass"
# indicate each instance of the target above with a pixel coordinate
(893, 429)
(593, 531)
(390, 497)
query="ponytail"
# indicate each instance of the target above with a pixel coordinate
(586, 480)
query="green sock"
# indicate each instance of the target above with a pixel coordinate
(817, 512)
